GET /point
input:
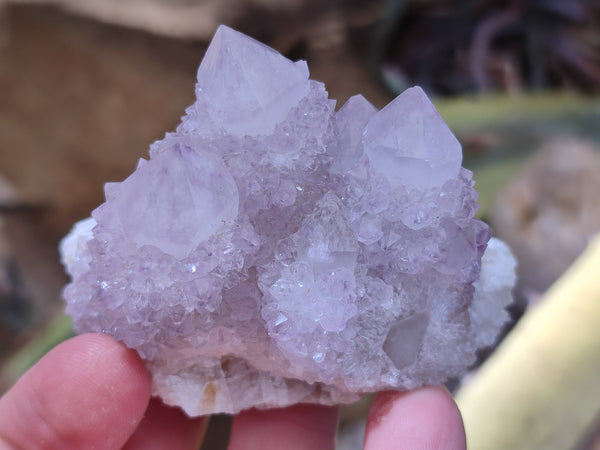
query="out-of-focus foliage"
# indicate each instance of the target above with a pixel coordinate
(453, 46)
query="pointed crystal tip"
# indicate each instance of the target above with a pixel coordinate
(247, 87)
(409, 142)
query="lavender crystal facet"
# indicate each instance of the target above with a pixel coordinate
(273, 251)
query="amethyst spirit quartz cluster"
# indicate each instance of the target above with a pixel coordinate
(273, 251)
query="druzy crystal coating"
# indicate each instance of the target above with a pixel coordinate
(274, 251)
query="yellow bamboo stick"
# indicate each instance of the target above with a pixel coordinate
(541, 388)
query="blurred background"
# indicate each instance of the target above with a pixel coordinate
(87, 85)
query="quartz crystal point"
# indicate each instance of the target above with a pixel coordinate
(410, 144)
(273, 251)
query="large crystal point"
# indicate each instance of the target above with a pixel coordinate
(273, 251)
(410, 144)
(183, 183)
(246, 86)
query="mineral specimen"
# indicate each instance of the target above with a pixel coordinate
(273, 251)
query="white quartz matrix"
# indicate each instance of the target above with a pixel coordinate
(274, 251)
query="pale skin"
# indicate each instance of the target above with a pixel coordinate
(93, 392)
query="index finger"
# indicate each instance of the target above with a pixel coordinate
(426, 418)
(89, 391)
(298, 427)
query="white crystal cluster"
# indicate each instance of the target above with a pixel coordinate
(273, 251)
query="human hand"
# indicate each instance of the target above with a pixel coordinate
(93, 392)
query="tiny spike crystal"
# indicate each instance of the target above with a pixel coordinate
(274, 251)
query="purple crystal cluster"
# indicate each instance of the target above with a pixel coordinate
(274, 251)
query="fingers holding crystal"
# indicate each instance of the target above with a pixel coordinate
(299, 427)
(90, 391)
(426, 418)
